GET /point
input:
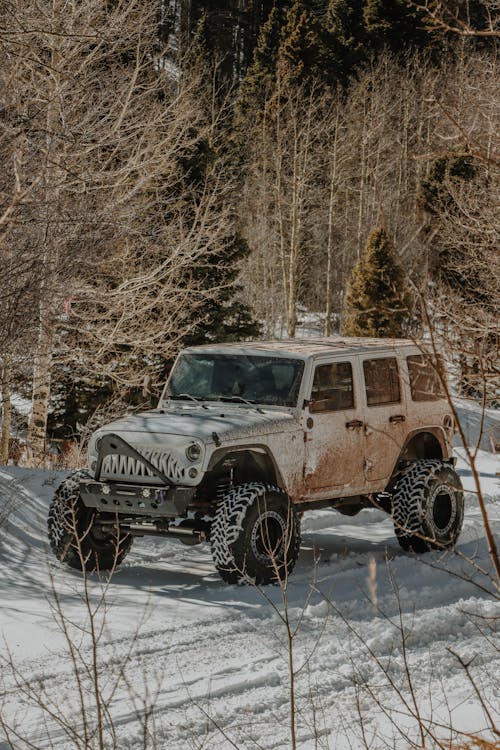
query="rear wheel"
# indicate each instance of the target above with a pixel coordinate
(74, 537)
(428, 506)
(255, 535)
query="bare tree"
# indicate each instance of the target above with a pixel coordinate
(18, 271)
(368, 153)
(450, 17)
(111, 220)
(285, 173)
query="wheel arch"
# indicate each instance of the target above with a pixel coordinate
(429, 442)
(420, 444)
(249, 463)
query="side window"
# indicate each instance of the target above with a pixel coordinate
(332, 387)
(424, 381)
(381, 381)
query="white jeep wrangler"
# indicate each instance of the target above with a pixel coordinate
(246, 437)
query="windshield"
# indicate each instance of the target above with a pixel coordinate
(239, 378)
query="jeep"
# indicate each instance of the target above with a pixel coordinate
(247, 437)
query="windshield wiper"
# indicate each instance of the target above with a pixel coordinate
(242, 400)
(183, 396)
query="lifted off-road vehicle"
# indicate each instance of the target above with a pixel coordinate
(246, 437)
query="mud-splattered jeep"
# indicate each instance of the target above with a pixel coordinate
(247, 437)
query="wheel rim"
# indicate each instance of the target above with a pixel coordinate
(268, 537)
(443, 509)
(100, 538)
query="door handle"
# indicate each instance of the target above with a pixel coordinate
(397, 418)
(353, 424)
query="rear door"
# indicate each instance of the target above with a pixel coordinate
(384, 416)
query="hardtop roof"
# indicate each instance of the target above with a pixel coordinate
(307, 347)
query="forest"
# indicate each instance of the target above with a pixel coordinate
(177, 173)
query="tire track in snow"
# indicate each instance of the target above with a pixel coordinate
(244, 668)
(231, 659)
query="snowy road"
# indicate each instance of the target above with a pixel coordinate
(213, 657)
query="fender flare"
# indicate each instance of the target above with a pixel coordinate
(255, 449)
(437, 432)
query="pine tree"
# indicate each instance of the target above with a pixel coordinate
(436, 198)
(261, 76)
(377, 302)
(295, 42)
(307, 54)
(300, 48)
(75, 396)
(231, 31)
(435, 193)
(225, 317)
(393, 24)
(222, 317)
(347, 32)
(460, 255)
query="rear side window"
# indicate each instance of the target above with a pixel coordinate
(424, 380)
(381, 381)
(332, 387)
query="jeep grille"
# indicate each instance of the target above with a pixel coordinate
(124, 466)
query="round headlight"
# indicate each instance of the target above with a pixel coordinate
(193, 451)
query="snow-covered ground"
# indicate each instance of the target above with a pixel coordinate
(212, 659)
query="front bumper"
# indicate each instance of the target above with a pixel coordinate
(133, 499)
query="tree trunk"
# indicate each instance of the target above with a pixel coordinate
(280, 210)
(6, 406)
(362, 180)
(41, 389)
(329, 249)
(53, 179)
(294, 240)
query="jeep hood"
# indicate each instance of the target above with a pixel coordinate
(195, 422)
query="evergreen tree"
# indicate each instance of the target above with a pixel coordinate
(436, 199)
(462, 266)
(261, 76)
(296, 43)
(301, 52)
(393, 24)
(223, 316)
(231, 32)
(217, 314)
(75, 397)
(377, 302)
(435, 193)
(347, 32)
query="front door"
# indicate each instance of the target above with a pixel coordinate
(334, 433)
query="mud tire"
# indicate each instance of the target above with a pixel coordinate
(428, 506)
(72, 538)
(251, 520)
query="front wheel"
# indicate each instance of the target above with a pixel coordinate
(255, 535)
(428, 506)
(73, 536)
